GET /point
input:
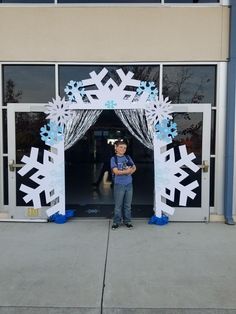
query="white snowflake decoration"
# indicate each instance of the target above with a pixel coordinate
(168, 178)
(105, 92)
(59, 111)
(158, 110)
(49, 177)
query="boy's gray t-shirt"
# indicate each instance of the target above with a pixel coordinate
(121, 164)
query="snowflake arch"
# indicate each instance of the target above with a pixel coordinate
(109, 95)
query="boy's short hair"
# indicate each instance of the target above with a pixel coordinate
(120, 141)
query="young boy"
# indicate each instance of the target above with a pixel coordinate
(122, 167)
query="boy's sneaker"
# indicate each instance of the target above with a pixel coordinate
(129, 225)
(114, 226)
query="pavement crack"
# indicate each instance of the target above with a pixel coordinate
(105, 266)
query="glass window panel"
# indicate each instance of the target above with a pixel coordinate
(192, 1)
(213, 132)
(81, 72)
(26, 1)
(189, 128)
(28, 83)
(5, 181)
(28, 126)
(4, 130)
(212, 182)
(190, 84)
(109, 1)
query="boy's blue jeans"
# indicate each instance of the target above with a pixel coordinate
(123, 197)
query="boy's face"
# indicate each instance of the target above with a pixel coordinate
(121, 149)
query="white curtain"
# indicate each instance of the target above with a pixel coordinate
(133, 119)
(78, 125)
(136, 122)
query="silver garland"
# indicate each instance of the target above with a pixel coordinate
(77, 126)
(134, 119)
(136, 122)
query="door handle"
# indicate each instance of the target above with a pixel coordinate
(204, 166)
(12, 166)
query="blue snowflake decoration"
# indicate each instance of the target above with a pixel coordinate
(73, 88)
(51, 133)
(110, 104)
(149, 88)
(166, 130)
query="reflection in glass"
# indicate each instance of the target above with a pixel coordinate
(189, 128)
(190, 84)
(4, 130)
(81, 72)
(191, 1)
(28, 83)
(5, 181)
(212, 182)
(28, 126)
(26, 1)
(109, 1)
(213, 131)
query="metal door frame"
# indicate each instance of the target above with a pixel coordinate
(14, 211)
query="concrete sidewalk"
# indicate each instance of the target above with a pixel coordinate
(84, 267)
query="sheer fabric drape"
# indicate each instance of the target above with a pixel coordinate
(133, 119)
(136, 122)
(78, 125)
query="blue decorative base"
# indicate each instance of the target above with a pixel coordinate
(61, 219)
(154, 220)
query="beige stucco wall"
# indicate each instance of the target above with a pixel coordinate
(114, 34)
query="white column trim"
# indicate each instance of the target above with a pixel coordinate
(221, 104)
(56, 80)
(234, 180)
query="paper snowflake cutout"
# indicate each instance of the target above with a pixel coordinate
(99, 90)
(49, 177)
(169, 176)
(73, 89)
(59, 111)
(158, 110)
(51, 133)
(110, 104)
(149, 88)
(166, 131)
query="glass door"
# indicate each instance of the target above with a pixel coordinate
(193, 127)
(24, 123)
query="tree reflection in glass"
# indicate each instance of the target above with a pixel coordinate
(28, 83)
(28, 126)
(190, 84)
(189, 126)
